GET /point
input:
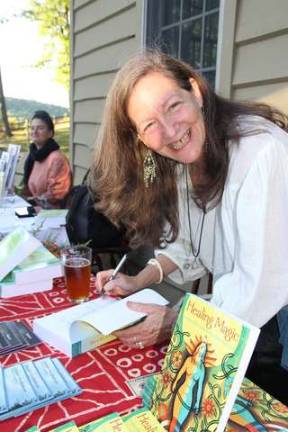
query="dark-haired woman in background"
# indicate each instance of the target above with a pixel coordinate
(47, 173)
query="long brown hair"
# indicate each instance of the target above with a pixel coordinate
(150, 215)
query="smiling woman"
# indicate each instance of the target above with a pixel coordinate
(219, 178)
(168, 119)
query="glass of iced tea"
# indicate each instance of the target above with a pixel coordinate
(76, 262)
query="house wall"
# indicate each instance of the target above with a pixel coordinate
(105, 33)
(253, 64)
(252, 61)
(252, 58)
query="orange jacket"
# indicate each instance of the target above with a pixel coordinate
(50, 180)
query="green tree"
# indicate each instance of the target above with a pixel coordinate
(54, 27)
(7, 128)
(5, 120)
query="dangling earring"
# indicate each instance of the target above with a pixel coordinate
(205, 146)
(149, 168)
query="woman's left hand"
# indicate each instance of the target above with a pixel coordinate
(157, 326)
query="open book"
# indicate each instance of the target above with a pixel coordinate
(203, 369)
(88, 325)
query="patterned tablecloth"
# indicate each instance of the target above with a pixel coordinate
(105, 374)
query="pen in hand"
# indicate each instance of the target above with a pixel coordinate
(118, 267)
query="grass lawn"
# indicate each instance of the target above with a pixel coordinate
(21, 136)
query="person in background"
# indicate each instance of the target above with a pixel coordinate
(47, 174)
(205, 181)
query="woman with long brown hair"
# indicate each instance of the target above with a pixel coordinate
(202, 179)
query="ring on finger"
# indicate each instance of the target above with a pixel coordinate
(139, 345)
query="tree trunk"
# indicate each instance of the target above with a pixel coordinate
(7, 128)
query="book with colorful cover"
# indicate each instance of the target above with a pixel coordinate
(14, 248)
(33, 429)
(142, 420)
(67, 427)
(51, 218)
(39, 265)
(256, 410)
(203, 369)
(110, 423)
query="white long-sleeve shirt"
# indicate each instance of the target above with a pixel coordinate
(245, 238)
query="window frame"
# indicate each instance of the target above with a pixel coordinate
(154, 28)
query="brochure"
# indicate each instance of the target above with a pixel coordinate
(30, 385)
(15, 335)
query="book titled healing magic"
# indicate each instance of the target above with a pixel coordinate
(203, 369)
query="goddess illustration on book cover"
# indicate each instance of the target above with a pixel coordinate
(202, 369)
(188, 395)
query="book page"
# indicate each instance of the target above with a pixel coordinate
(118, 314)
(62, 323)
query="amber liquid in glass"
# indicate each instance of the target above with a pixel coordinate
(77, 271)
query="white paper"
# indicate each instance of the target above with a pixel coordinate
(118, 315)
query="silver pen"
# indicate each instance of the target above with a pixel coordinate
(118, 267)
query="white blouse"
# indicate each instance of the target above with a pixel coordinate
(245, 238)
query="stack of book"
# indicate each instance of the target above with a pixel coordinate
(15, 336)
(26, 266)
(33, 384)
(139, 421)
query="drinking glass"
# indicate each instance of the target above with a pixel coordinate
(76, 261)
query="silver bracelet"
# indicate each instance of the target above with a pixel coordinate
(157, 264)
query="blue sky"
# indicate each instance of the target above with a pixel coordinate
(18, 55)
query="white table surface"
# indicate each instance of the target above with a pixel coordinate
(12, 202)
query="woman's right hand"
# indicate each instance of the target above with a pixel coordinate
(122, 285)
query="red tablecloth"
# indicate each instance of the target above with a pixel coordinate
(102, 373)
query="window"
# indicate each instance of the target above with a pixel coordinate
(186, 29)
